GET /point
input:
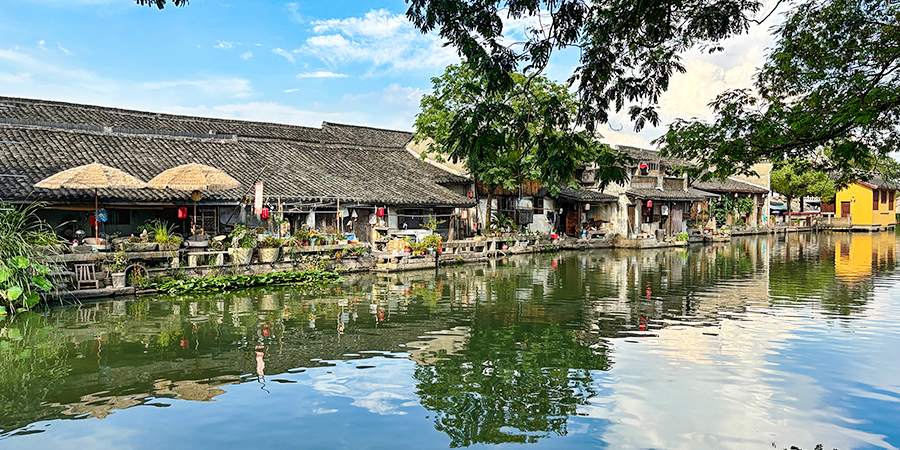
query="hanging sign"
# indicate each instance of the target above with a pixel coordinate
(258, 199)
(102, 216)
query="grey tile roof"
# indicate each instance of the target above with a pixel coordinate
(662, 195)
(585, 195)
(361, 164)
(728, 185)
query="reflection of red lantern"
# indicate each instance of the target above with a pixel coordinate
(649, 203)
(265, 213)
(379, 212)
(182, 213)
(464, 214)
(471, 193)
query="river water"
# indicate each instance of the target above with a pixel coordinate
(762, 343)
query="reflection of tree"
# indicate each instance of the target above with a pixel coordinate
(32, 359)
(516, 383)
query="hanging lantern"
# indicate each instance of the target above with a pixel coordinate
(471, 193)
(649, 203)
(379, 212)
(264, 213)
(587, 206)
(644, 168)
(182, 213)
(464, 214)
(93, 220)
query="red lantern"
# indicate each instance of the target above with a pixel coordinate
(379, 212)
(471, 193)
(265, 213)
(182, 213)
(93, 220)
(649, 203)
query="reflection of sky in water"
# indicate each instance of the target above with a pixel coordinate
(755, 360)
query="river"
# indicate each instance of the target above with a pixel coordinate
(761, 343)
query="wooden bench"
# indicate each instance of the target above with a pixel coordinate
(86, 274)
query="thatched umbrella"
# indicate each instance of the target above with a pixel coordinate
(196, 178)
(92, 176)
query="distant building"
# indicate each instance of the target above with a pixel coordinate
(864, 204)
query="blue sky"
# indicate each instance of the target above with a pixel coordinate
(298, 62)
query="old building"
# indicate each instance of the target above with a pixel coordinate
(339, 176)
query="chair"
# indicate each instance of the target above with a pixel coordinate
(85, 274)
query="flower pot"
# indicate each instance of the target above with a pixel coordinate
(140, 246)
(240, 255)
(268, 255)
(169, 246)
(118, 279)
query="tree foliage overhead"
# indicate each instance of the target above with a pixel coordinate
(505, 138)
(830, 84)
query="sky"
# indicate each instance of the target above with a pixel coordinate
(297, 62)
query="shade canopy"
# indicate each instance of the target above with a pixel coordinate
(91, 176)
(194, 177)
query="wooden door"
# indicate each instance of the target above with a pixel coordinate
(572, 222)
(631, 219)
(361, 227)
(845, 209)
(676, 217)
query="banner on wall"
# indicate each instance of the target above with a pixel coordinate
(258, 199)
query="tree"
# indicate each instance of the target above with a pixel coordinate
(505, 138)
(629, 50)
(831, 82)
(798, 179)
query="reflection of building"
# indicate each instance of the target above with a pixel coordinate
(857, 256)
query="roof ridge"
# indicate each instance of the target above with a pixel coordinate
(326, 123)
(150, 114)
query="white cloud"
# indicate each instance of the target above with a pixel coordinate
(321, 74)
(286, 54)
(293, 8)
(690, 93)
(230, 87)
(226, 45)
(384, 40)
(64, 50)
(288, 91)
(247, 55)
(41, 44)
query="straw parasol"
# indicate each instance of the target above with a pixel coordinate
(92, 176)
(196, 178)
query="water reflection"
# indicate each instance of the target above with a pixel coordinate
(728, 345)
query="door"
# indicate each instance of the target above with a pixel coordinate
(572, 222)
(361, 227)
(845, 209)
(676, 219)
(630, 219)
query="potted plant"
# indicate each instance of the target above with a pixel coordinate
(269, 248)
(136, 244)
(117, 269)
(241, 242)
(163, 235)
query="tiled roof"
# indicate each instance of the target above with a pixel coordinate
(643, 154)
(728, 185)
(672, 195)
(349, 163)
(585, 195)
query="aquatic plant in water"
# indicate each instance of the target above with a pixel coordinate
(193, 285)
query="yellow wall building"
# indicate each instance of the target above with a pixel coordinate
(868, 204)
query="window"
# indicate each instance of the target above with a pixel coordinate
(891, 196)
(875, 200)
(539, 205)
(884, 196)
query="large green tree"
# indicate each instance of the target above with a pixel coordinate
(830, 83)
(628, 49)
(505, 138)
(799, 178)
